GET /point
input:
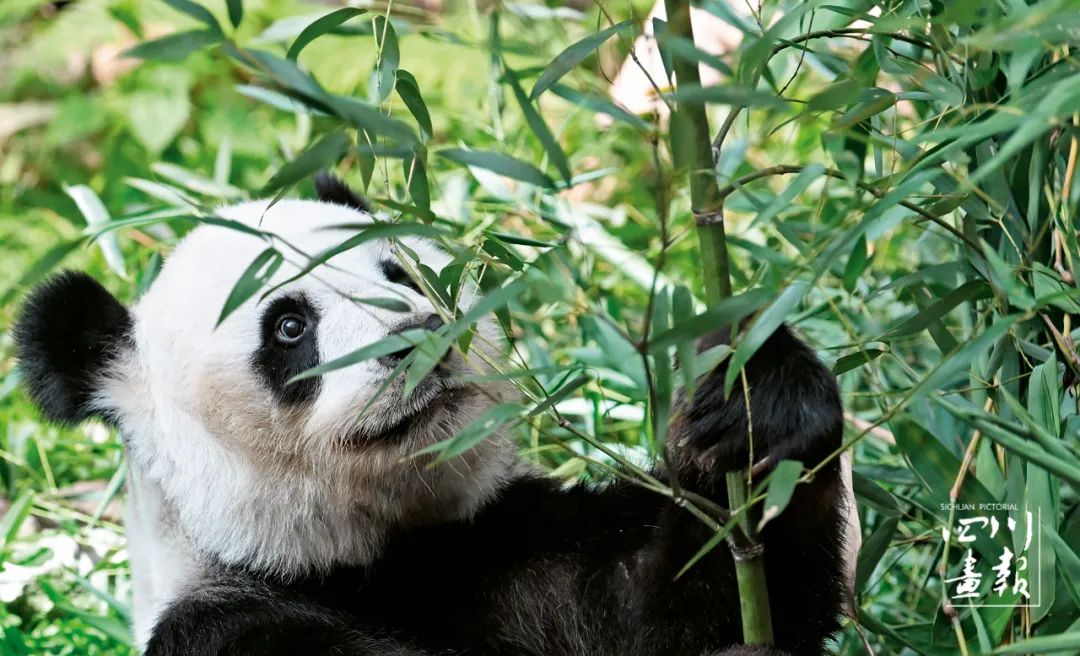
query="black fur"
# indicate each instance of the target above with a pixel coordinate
(69, 329)
(397, 275)
(276, 363)
(555, 571)
(331, 189)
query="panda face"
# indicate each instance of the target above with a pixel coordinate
(235, 376)
(251, 469)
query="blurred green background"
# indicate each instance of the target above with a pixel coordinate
(923, 239)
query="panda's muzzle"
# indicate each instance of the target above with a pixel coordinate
(431, 322)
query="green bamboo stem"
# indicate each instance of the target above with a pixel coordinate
(691, 148)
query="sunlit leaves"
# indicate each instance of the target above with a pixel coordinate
(493, 419)
(389, 58)
(498, 163)
(236, 11)
(539, 127)
(319, 27)
(196, 11)
(409, 90)
(254, 277)
(93, 210)
(320, 155)
(574, 55)
(175, 46)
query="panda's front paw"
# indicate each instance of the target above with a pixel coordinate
(792, 411)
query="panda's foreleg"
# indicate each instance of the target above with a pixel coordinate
(789, 409)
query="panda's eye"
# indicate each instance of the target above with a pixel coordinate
(290, 329)
(397, 275)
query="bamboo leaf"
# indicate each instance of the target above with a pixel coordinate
(385, 346)
(499, 163)
(391, 304)
(93, 210)
(13, 520)
(285, 74)
(873, 549)
(367, 233)
(683, 48)
(762, 329)
(174, 47)
(1050, 644)
(389, 57)
(782, 484)
(574, 55)
(196, 11)
(257, 274)
(854, 360)
(319, 27)
(236, 11)
(323, 154)
(409, 90)
(474, 433)
(726, 313)
(783, 201)
(856, 263)
(553, 399)
(599, 105)
(371, 120)
(971, 290)
(539, 128)
(41, 266)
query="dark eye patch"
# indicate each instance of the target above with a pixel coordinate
(397, 275)
(276, 362)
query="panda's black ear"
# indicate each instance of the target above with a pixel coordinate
(70, 330)
(332, 189)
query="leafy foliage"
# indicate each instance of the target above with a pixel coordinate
(897, 179)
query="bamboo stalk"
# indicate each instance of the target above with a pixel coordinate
(691, 148)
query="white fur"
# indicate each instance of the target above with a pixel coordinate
(220, 471)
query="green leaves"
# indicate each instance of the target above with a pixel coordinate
(474, 433)
(320, 27)
(93, 210)
(499, 163)
(924, 319)
(367, 233)
(257, 274)
(409, 90)
(323, 154)
(539, 128)
(196, 11)
(762, 328)
(389, 57)
(174, 47)
(572, 56)
(236, 11)
(371, 120)
(782, 482)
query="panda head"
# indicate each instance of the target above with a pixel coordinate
(250, 468)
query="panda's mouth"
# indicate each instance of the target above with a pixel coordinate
(430, 403)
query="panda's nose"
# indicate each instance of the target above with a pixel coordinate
(432, 322)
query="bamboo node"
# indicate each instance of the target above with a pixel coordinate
(745, 552)
(710, 218)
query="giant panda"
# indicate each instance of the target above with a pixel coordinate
(274, 518)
